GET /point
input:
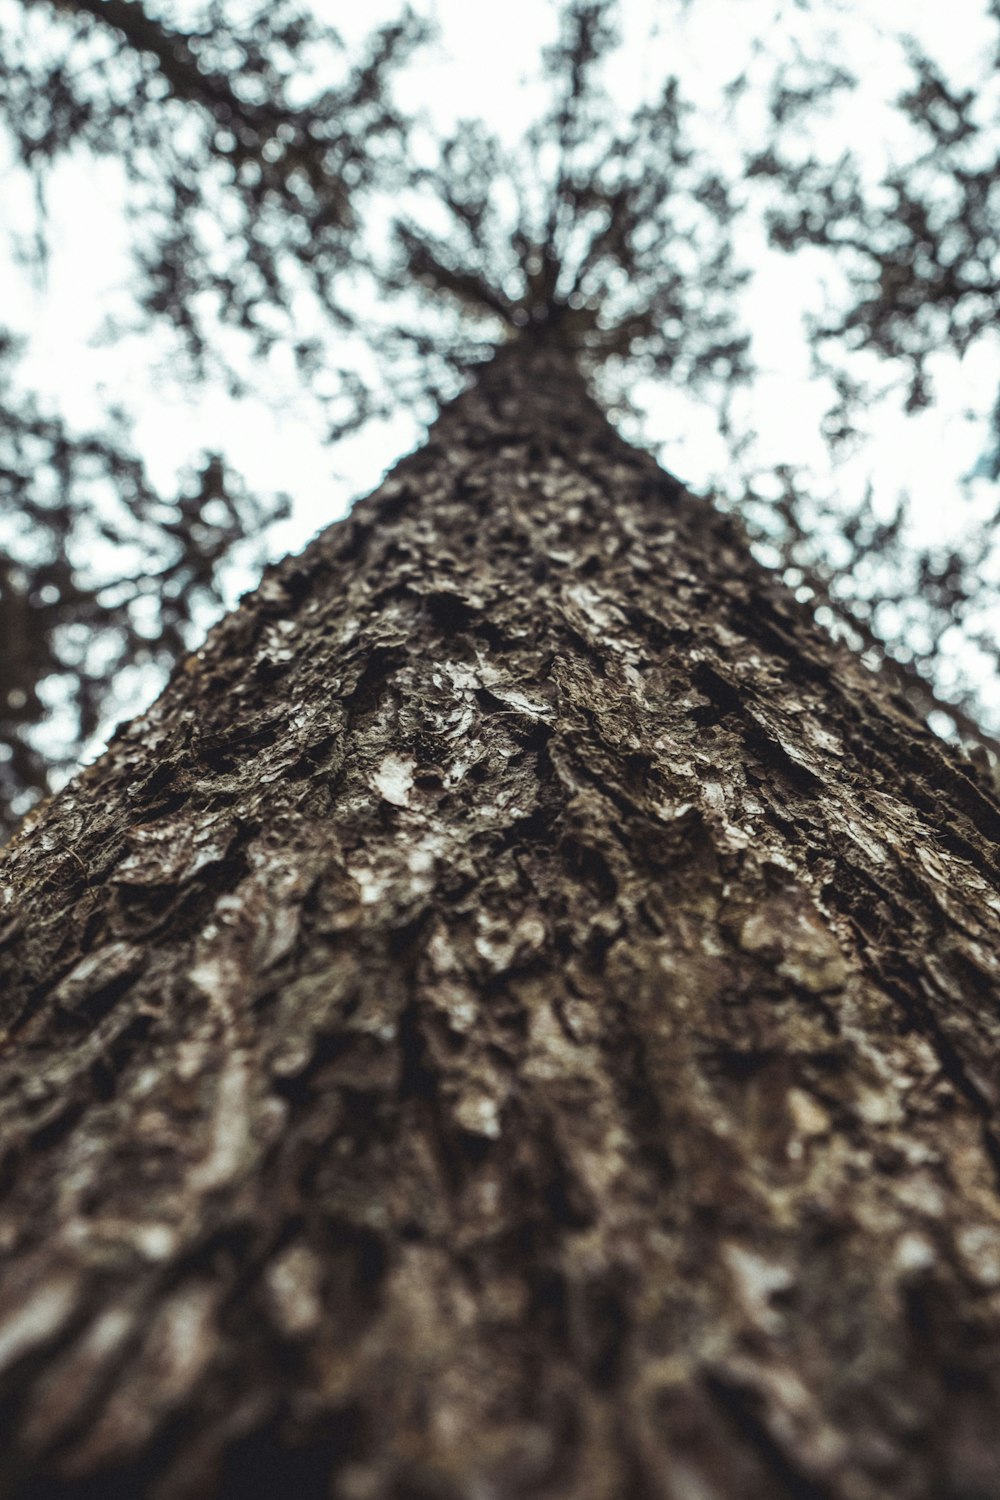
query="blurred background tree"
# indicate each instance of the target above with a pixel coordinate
(915, 237)
(292, 200)
(236, 168)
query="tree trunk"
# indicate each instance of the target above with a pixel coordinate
(518, 1017)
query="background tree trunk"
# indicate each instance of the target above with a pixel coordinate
(518, 1017)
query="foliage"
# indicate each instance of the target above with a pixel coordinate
(919, 253)
(99, 571)
(240, 165)
(279, 197)
(608, 233)
(243, 162)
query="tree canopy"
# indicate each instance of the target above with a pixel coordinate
(283, 200)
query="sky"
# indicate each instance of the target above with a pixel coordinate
(481, 66)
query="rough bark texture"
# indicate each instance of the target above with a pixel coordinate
(517, 1018)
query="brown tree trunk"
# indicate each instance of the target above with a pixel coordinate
(518, 1017)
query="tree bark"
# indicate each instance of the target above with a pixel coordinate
(518, 1017)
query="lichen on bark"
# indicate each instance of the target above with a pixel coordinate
(517, 1017)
